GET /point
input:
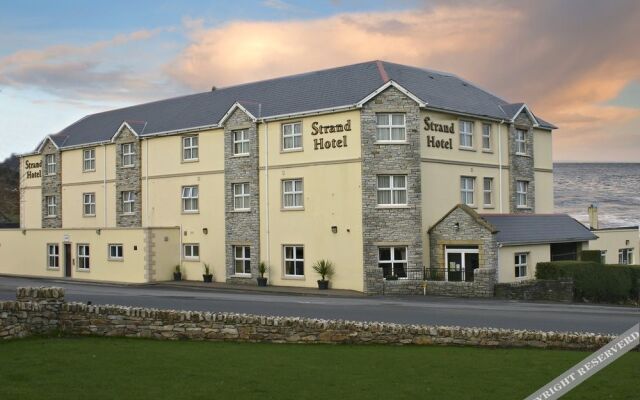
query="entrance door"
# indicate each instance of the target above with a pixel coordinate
(67, 260)
(460, 263)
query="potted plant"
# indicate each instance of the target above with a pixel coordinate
(325, 269)
(207, 276)
(177, 275)
(262, 268)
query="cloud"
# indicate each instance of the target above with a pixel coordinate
(277, 5)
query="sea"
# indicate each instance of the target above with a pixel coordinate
(613, 187)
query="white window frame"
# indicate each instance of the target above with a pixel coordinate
(128, 154)
(388, 126)
(128, 199)
(465, 191)
(603, 256)
(188, 250)
(244, 259)
(487, 191)
(117, 257)
(522, 193)
(190, 148)
(486, 137)
(84, 257)
(241, 142)
(89, 160)
(625, 256)
(392, 261)
(50, 167)
(52, 205)
(242, 195)
(521, 142)
(190, 196)
(521, 265)
(296, 132)
(294, 260)
(53, 256)
(296, 193)
(395, 190)
(89, 200)
(464, 133)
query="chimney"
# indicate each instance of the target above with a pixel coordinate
(593, 216)
(213, 88)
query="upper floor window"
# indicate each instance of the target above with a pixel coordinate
(50, 164)
(625, 256)
(53, 255)
(292, 136)
(521, 265)
(292, 193)
(522, 187)
(390, 127)
(241, 143)
(190, 148)
(128, 202)
(521, 141)
(89, 160)
(83, 257)
(393, 261)
(392, 190)
(293, 260)
(466, 134)
(89, 204)
(487, 191)
(128, 154)
(467, 189)
(190, 199)
(241, 197)
(52, 205)
(486, 137)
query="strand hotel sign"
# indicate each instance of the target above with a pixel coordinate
(34, 169)
(437, 127)
(330, 141)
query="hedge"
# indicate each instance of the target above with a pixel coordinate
(594, 281)
(591, 256)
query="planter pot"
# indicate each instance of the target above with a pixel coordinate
(323, 285)
(262, 281)
(208, 278)
(177, 276)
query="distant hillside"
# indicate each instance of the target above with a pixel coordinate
(10, 190)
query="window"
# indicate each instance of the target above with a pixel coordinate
(89, 160)
(391, 128)
(190, 199)
(522, 187)
(242, 258)
(50, 164)
(625, 256)
(294, 260)
(393, 261)
(83, 256)
(190, 148)
(191, 251)
(392, 190)
(466, 134)
(52, 206)
(241, 143)
(521, 265)
(53, 256)
(486, 136)
(292, 193)
(115, 252)
(487, 191)
(89, 204)
(127, 154)
(467, 188)
(603, 256)
(292, 136)
(241, 197)
(128, 202)
(521, 141)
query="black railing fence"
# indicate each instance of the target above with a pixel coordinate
(435, 274)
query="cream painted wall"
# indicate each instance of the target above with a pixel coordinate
(73, 162)
(542, 149)
(544, 192)
(31, 208)
(166, 244)
(536, 254)
(332, 197)
(614, 240)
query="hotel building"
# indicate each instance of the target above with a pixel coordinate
(382, 168)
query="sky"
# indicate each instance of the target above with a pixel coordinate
(575, 63)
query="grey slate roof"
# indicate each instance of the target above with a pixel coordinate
(537, 228)
(329, 88)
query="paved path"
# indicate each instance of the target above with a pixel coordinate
(413, 309)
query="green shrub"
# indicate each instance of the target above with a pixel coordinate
(591, 256)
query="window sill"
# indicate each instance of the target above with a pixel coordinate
(487, 151)
(242, 155)
(89, 215)
(291, 150)
(127, 214)
(294, 277)
(191, 259)
(523, 208)
(242, 276)
(244, 210)
(466, 148)
(488, 206)
(127, 166)
(50, 216)
(523, 154)
(83, 270)
(292, 209)
(190, 212)
(190, 160)
(88, 170)
(53, 268)
(386, 142)
(400, 206)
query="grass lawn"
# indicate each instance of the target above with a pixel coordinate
(115, 368)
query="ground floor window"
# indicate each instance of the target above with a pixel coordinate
(521, 265)
(603, 256)
(115, 252)
(53, 255)
(393, 261)
(242, 258)
(294, 260)
(83, 257)
(191, 251)
(625, 256)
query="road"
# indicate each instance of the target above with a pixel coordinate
(407, 310)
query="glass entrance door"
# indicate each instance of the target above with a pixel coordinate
(460, 263)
